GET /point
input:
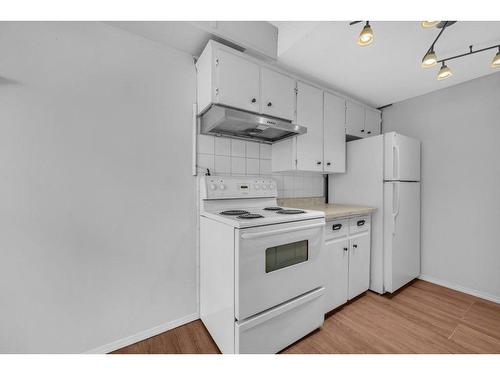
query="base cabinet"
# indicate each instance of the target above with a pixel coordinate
(346, 260)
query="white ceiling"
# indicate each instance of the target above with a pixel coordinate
(388, 70)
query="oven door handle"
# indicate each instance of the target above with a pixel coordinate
(249, 236)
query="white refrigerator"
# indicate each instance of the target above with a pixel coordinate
(384, 172)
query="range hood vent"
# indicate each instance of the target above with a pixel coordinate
(236, 123)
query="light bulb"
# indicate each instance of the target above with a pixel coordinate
(444, 72)
(428, 24)
(429, 59)
(366, 35)
(496, 60)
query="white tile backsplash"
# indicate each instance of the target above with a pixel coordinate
(265, 167)
(265, 151)
(238, 166)
(227, 156)
(222, 146)
(252, 150)
(222, 164)
(238, 148)
(252, 167)
(205, 144)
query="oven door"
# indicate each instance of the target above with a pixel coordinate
(275, 263)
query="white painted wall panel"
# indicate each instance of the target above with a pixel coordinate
(97, 201)
(460, 130)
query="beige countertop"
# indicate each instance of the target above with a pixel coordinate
(332, 210)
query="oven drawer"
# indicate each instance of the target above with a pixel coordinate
(276, 263)
(359, 224)
(336, 229)
(275, 329)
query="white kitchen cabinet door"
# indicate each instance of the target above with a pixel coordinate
(277, 94)
(310, 115)
(238, 82)
(334, 148)
(355, 119)
(359, 265)
(372, 122)
(336, 260)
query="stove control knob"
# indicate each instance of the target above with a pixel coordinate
(213, 186)
(256, 186)
(222, 186)
(264, 187)
(272, 186)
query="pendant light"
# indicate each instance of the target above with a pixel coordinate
(444, 72)
(496, 60)
(429, 59)
(428, 24)
(366, 35)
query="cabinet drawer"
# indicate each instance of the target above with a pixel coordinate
(276, 328)
(359, 224)
(336, 229)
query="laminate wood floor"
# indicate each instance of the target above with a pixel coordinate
(421, 318)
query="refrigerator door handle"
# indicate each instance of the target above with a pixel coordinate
(396, 172)
(395, 206)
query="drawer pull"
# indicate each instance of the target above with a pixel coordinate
(345, 249)
(336, 226)
(361, 223)
(355, 246)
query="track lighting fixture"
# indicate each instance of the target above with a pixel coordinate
(444, 72)
(429, 59)
(428, 24)
(496, 60)
(366, 35)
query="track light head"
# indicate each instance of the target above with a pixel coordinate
(366, 35)
(429, 24)
(496, 60)
(444, 72)
(429, 59)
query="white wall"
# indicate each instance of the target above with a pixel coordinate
(225, 156)
(97, 204)
(460, 132)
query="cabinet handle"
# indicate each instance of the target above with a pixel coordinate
(318, 163)
(336, 226)
(328, 163)
(362, 130)
(369, 132)
(345, 249)
(360, 223)
(254, 100)
(269, 104)
(355, 246)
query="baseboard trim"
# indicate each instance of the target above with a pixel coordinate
(460, 288)
(115, 345)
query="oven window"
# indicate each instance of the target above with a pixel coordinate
(282, 256)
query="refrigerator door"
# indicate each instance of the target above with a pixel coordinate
(402, 158)
(401, 234)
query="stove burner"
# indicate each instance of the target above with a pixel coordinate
(250, 216)
(290, 212)
(273, 208)
(234, 212)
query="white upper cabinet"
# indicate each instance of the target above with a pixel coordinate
(334, 148)
(237, 83)
(310, 115)
(372, 122)
(277, 94)
(355, 119)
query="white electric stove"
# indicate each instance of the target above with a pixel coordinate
(260, 283)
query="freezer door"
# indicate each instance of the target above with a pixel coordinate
(402, 158)
(401, 234)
